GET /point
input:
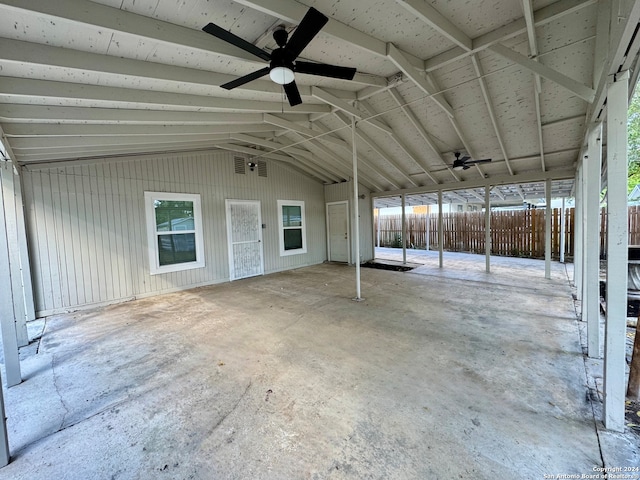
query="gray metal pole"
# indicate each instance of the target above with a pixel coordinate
(487, 227)
(356, 210)
(562, 231)
(404, 229)
(440, 232)
(547, 231)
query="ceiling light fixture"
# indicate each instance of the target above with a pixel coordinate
(281, 75)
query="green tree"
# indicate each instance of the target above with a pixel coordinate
(634, 141)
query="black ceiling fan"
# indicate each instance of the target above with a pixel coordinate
(282, 61)
(465, 162)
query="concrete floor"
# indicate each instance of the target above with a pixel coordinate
(437, 374)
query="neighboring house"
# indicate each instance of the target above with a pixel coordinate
(634, 196)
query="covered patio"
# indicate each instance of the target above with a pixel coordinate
(437, 373)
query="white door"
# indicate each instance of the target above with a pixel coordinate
(244, 236)
(338, 231)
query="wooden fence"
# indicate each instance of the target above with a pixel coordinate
(514, 233)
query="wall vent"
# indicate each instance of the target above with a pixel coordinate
(239, 165)
(262, 168)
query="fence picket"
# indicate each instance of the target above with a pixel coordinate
(513, 232)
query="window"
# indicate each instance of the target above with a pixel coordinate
(292, 227)
(174, 229)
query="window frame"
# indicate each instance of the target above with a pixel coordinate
(282, 228)
(152, 233)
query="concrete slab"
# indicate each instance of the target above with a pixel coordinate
(433, 376)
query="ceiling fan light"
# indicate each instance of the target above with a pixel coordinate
(281, 75)
(457, 168)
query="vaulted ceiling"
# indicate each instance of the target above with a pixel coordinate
(517, 81)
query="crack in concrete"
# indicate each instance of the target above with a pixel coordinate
(55, 385)
(235, 406)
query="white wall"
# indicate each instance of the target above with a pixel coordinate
(344, 191)
(87, 234)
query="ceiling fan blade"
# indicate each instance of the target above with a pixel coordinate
(309, 27)
(484, 160)
(324, 70)
(246, 79)
(293, 94)
(229, 37)
(465, 158)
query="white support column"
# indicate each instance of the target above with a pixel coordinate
(7, 315)
(583, 229)
(7, 180)
(356, 210)
(25, 263)
(577, 235)
(12, 361)
(487, 227)
(591, 166)
(378, 229)
(427, 227)
(617, 252)
(563, 231)
(440, 232)
(4, 438)
(547, 231)
(404, 229)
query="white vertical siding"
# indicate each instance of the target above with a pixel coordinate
(344, 191)
(87, 231)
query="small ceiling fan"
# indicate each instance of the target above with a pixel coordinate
(282, 60)
(465, 162)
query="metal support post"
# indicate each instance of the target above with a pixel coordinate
(440, 232)
(356, 210)
(547, 231)
(487, 227)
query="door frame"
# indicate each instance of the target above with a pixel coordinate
(227, 207)
(346, 203)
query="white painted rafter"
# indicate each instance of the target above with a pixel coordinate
(340, 104)
(22, 113)
(45, 92)
(418, 160)
(53, 130)
(347, 148)
(378, 149)
(293, 12)
(33, 54)
(116, 20)
(543, 16)
(575, 87)
(401, 61)
(489, 104)
(421, 130)
(527, 8)
(428, 14)
(44, 143)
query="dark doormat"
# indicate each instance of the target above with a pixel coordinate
(387, 266)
